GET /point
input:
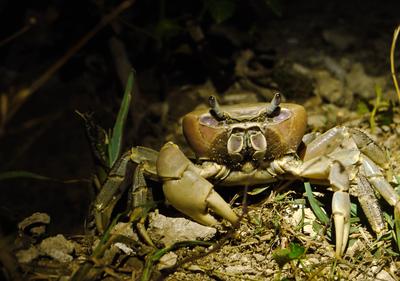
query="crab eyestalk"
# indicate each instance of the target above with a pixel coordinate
(273, 107)
(215, 109)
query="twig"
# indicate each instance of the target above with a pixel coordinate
(392, 68)
(25, 93)
(31, 22)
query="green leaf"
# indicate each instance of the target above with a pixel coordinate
(353, 209)
(389, 219)
(362, 108)
(283, 256)
(316, 205)
(372, 121)
(296, 251)
(221, 10)
(257, 190)
(23, 175)
(114, 147)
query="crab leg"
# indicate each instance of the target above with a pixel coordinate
(111, 191)
(378, 181)
(187, 190)
(369, 204)
(350, 146)
(333, 170)
(339, 181)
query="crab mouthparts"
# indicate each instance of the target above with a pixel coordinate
(244, 144)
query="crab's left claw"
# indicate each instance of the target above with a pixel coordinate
(187, 191)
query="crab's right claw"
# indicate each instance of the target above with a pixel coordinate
(194, 195)
(187, 191)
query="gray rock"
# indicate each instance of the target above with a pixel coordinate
(26, 256)
(329, 87)
(58, 248)
(168, 260)
(167, 231)
(361, 83)
(35, 224)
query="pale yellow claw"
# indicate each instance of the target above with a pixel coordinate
(187, 191)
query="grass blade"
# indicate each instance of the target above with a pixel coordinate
(316, 205)
(23, 175)
(157, 254)
(114, 147)
(397, 226)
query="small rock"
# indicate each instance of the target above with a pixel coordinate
(355, 248)
(124, 248)
(309, 218)
(361, 83)
(26, 256)
(240, 269)
(35, 224)
(168, 231)
(328, 87)
(266, 237)
(125, 229)
(385, 128)
(317, 121)
(58, 248)
(168, 260)
(259, 257)
(384, 275)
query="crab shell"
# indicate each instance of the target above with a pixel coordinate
(208, 137)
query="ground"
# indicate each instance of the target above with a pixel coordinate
(333, 59)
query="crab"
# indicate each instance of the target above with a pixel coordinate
(254, 144)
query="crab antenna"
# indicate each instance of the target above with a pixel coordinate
(215, 109)
(274, 104)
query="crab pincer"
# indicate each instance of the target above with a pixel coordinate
(187, 191)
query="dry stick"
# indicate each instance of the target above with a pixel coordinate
(392, 69)
(25, 93)
(31, 22)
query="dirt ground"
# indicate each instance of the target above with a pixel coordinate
(333, 58)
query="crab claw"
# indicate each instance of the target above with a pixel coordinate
(187, 191)
(341, 218)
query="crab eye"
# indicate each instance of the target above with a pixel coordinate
(235, 143)
(273, 108)
(215, 110)
(258, 141)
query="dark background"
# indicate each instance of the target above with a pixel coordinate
(47, 137)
